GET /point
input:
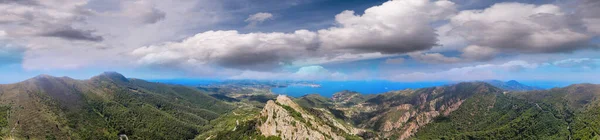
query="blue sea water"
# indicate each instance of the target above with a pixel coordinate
(328, 88)
(547, 84)
(186, 82)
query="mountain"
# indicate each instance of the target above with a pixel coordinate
(511, 85)
(104, 107)
(399, 114)
(473, 110)
(396, 115)
(286, 119)
(349, 98)
(560, 113)
(111, 106)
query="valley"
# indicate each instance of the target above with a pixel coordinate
(111, 106)
(299, 69)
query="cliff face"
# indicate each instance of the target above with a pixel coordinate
(408, 127)
(400, 114)
(396, 115)
(405, 119)
(288, 120)
(461, 111)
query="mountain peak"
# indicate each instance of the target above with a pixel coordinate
(47, 77)
(283, 99)
(43, 76)
(511, 85)
(111, 75)
(512, 82)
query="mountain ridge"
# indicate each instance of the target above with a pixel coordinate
(47, 107)
(512, 85)
(110, 104)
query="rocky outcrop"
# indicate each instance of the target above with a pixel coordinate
(403, 113)
(398, 114)
(288, 120)
(409, 119)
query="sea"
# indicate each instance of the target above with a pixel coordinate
(328, 88)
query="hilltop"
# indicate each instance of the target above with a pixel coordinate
(109, 105)
(47, 107)
(471, 110)
(512, 85)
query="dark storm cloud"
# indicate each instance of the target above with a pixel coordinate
(261, 61)
(71, 33)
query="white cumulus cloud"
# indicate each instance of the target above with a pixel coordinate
(469, 73)
(397, 26)
(519, 28)
(258, 18)
(393, 27)
(253, 51)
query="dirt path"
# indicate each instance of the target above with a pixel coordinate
(123, 136)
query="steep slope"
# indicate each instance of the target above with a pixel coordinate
(578, 105)
(560, 113)
(511, 85)
(109, 105)
(288, 120)
(32, 106)
(313, 101)
(474, 110)
(105, 106)
(284, 119)
(398, 115)
(395, 115)
(497, 117)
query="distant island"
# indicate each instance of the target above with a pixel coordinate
(313, 85)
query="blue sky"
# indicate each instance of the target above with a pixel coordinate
(340, 40)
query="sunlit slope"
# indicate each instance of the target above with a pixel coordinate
(104, 106)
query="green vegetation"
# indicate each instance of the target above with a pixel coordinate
(109, 105)
(297, 115)
(313, 101)
(230, 121)
(496, 117)
(139, 117)
(586, 124)
(4, 112)
(511, 85)
(560, 113)
(245, 131)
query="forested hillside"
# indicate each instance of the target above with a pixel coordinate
(104, 107)
(110, 106)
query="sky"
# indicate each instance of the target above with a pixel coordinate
(335, 40)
